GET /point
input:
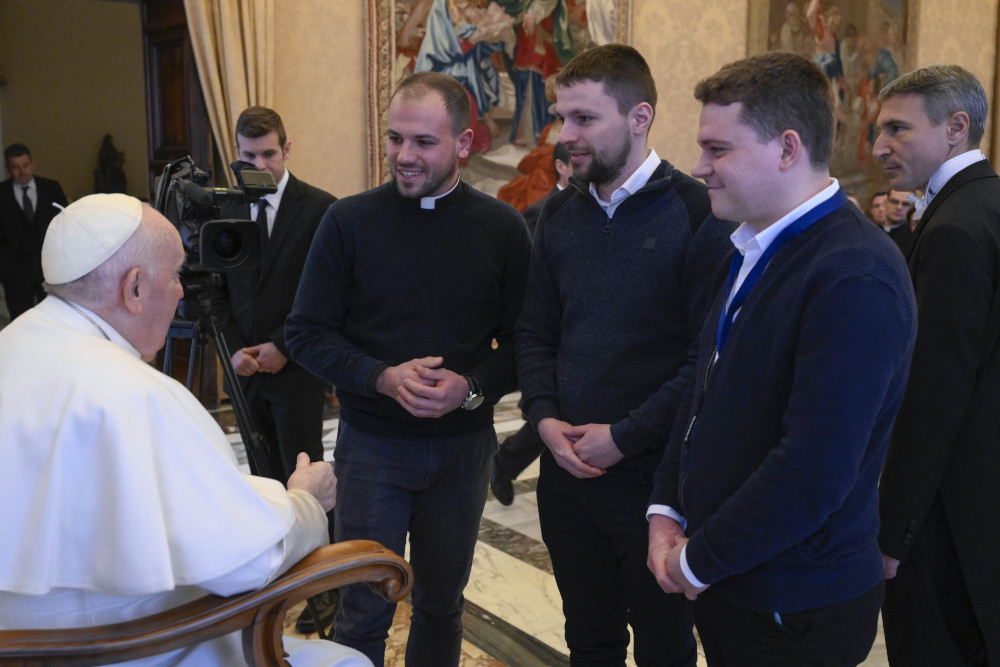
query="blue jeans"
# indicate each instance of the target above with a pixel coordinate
(435, 489)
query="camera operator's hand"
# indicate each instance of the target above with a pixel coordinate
(315, 478)
(269, 358)
(244, 363)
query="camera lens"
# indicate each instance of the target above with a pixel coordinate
(227, 245)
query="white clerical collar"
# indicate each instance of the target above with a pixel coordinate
(746, 236)
(87, 321)
(431, 202)
(945, 172)
(635, 182)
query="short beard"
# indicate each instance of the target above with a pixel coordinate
(603, 169)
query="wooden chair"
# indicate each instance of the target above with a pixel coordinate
(259, 614)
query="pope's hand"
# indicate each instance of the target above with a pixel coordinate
(315, 478)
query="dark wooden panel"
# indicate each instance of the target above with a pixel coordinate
(177, 118)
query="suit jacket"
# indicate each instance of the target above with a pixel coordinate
(946, 441)
(902, 237)
(20, 242)
(258, 300)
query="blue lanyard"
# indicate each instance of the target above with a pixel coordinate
(838, 199)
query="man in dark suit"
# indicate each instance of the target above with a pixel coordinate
(940, 497)
(26, 208)
(764, 508)
(286, 401)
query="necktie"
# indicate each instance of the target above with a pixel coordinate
(29, 210)
(262, 222)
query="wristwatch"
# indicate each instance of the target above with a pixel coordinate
(475, 397)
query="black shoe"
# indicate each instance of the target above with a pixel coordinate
(326, 605)
(501, 484)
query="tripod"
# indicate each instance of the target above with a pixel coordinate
(199, 331)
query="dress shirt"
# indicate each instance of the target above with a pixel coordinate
(632, 184)
(941, 177)
(751, 244)
(274, 201)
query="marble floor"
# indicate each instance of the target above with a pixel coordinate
(513, 610)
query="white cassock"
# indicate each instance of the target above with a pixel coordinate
(122, 496)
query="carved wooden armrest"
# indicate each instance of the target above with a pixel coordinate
(259, 614)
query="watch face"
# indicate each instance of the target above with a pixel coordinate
(472, 402)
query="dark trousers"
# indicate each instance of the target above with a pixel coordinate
(839, 635)
(292, 422)
(928, 617)
(519, 450)
(597, 536)
(435, 489)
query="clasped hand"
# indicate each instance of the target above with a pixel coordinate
(666, 541)
(583, 451)
(263, 358)
(422, 387)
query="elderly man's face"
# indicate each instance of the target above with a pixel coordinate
(161, 288)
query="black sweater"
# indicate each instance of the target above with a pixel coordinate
(387, 281)
(613, 306)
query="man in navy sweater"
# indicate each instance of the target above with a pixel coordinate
(619, 283)
(764, 508)
(405, 289)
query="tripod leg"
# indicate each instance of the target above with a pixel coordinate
(256, 444)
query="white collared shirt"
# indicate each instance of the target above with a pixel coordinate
(273, 201)
(632, 184)
(944, 174)
(752, 244)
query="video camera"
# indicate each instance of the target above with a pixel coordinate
(214, 223)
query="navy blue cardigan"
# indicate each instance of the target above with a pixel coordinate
(778, 477)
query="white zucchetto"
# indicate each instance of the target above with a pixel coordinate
(86, 233)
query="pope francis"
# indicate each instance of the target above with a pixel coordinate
(121, 495)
